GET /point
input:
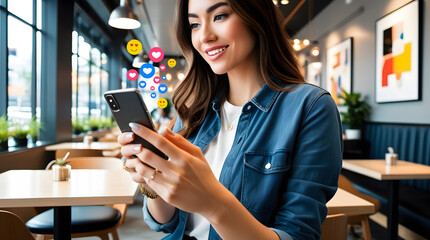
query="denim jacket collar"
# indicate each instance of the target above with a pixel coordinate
(264, 99)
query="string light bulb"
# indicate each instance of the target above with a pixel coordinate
(306, 42)
(315, 51)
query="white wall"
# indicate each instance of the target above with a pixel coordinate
(362, 15)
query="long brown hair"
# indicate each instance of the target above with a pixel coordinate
(276, 58)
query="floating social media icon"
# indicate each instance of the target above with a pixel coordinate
(162, 67)
(162, 88)
(163, 77)
(142, 84)
(147, 70)
(162, 103)
(134, 47)
(152, 88)
(156, 54)
(132, 75)
(153, 95)
(171, 62)
(157, 79)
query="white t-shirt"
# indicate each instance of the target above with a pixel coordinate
(215, 153)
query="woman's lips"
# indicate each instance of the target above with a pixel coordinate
(215, 56)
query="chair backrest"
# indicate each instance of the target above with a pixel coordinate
(334, 227)
(96, 163)
(12, 227)
(79, 153)
(346, 185)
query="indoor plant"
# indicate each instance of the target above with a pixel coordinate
(358, 111)
(78, 127)
(94, 123)
(19, 134)
(4, 135)
(35, 127)
(61, 169)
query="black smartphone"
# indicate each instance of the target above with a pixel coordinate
(127, 106)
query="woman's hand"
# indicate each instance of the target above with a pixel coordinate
(185, 180)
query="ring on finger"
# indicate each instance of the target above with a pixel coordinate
(154, 174)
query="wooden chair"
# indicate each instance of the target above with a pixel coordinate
(12, 227)
(346, 185)
(79, 153)
(334, 227)
(96, 163)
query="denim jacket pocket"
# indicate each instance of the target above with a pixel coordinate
(263, 182)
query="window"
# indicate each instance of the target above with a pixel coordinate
(90, 74)
(21, 39)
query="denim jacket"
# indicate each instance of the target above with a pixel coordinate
(284, 163)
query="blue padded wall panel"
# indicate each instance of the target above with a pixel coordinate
(412, 143)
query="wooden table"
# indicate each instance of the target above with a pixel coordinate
(80, 145)
(35, 188)
(349, 204)
(378, 170)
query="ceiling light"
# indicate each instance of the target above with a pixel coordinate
(170, 89)
(275, 2)
(306, 42)
(181, 76)
(296, 47)
(123, 17)
(169, 77)
(296, 41)
(315, 51)
(140, 59)
(285, 2)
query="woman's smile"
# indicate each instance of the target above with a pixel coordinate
(214, 53)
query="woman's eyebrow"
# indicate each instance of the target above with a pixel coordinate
(210, 9)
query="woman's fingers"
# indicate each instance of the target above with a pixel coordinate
(156, 140)
(125, 138)
(182, 143)
(144, 155)
(131, 149)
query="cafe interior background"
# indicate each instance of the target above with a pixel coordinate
(57, 58)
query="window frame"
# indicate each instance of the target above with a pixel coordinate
(4, 57)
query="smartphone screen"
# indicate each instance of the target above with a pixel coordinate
(127, 106)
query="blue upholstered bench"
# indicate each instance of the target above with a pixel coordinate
(412, 143)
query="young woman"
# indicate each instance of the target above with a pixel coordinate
(255, 152)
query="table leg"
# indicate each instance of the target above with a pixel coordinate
(393, 209)
(62, 223)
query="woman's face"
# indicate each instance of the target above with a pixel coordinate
(219, 35)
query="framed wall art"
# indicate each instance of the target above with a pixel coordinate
(339, 69)
(398, 62)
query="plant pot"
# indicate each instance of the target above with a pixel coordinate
(93, 129)
(21, 142)
(3, 145)
(61, 173)
(353, 134)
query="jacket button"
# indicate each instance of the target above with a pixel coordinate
(249, 107)
(268, 165)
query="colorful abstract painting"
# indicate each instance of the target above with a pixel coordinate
(397, 55)
(339, 69)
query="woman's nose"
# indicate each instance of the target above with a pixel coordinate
(207, 34)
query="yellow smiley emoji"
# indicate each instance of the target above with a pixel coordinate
(134, 47)
(162, 103)
(171, 62)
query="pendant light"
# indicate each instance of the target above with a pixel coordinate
(123, 17)
(140, 59)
